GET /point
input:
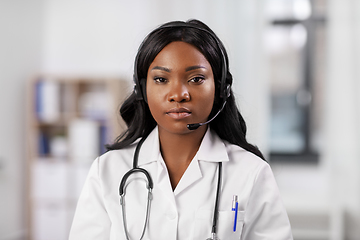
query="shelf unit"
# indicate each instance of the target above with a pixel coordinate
(69, 119)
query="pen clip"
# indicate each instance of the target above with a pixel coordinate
(234, 201)
(234, 208)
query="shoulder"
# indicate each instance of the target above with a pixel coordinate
(235, 154)
(117, 158)
(248, 170)
(118, 152)
(110, 166)
(241, 158)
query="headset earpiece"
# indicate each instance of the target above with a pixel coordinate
(137, 89)
(140, 89)
(143, 89)
(227, 90)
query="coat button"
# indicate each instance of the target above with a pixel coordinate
(171, 215)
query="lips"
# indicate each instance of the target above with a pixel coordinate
(178, 113)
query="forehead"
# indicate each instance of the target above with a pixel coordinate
(180, 54)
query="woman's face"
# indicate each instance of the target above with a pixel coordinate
(180, 87)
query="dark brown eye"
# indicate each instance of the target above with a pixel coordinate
(159, 80)
(197, 80)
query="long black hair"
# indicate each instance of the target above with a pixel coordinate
(229, 124)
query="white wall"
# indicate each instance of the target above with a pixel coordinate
(20, 51)
(342, 117)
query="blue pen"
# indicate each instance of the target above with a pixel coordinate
(234, 208)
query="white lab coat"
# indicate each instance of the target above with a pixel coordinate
(186, 212)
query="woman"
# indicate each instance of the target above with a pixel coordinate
(202, 177)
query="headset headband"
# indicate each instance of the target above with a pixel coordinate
(140, 88)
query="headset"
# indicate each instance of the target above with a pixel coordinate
(140, 93)
(225, 88)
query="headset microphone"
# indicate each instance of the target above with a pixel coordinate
(194, 126)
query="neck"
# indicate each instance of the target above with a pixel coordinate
(178, 150)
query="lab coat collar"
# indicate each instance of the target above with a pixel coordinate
(150, 150)
(212, 148)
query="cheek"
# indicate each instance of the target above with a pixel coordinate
(208, 93)
(154, 106)
(205, 100)
(154, 101)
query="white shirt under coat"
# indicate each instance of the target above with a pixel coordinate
(187, 211)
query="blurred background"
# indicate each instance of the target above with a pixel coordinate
(65, 66)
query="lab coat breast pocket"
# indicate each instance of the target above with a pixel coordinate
(225, 225)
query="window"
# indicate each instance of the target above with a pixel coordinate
(295, 44)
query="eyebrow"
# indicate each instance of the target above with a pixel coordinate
(161, 68)
(186, 70)
(194, 67)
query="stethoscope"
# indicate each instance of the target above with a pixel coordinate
(150, 186)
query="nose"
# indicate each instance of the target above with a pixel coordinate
(178, 93)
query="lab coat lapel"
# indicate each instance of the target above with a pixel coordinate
(163, 181)
(212, 149)
(191, 175)
(150, 154)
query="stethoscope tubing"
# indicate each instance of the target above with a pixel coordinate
(122, 203)
(216, 210)
(150, 186)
